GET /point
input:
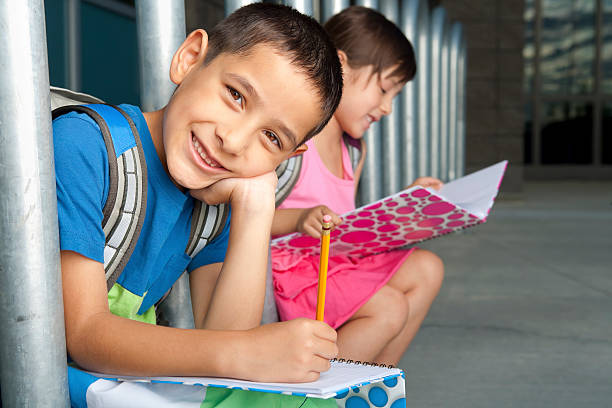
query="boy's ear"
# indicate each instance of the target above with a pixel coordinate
(300, 150)
(190, 54)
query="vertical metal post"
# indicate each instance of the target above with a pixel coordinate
(160, 28)
(32, 340)
(303, 6)
(331, 7)
(410, 25)
(438, 20)
(72, 39)
(454, 84)
(370, 184)
(444, 101)
(391, 139)
(233, 5)
(423, 141)
(461, 109)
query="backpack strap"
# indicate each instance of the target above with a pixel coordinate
(287, 173)
(207, 222)
(125, 207)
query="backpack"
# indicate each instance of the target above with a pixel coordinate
(125, 207)
(288, 171)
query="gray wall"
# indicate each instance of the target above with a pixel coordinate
(494, 117)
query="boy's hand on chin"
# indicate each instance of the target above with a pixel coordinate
(252, 192)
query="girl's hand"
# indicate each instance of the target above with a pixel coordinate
(432, 182)
(311, 220)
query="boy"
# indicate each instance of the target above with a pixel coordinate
(248, 97)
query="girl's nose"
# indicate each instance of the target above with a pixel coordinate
(386, 106)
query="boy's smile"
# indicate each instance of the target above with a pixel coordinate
(239, 116)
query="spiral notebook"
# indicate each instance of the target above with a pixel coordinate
(408, 217)
(338, 380)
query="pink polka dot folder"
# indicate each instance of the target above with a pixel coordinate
(408, 217)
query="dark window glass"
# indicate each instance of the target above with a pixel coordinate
(567, 133)
(528, 135)
(567, 52)
(606, 134)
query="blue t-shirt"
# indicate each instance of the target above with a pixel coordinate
(82, 175)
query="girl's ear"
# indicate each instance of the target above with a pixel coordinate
(343, 60)
(190, 54)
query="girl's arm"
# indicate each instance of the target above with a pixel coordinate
(286, 220)
(357, 174)
(306, 220)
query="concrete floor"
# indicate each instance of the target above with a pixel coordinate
(524, 317)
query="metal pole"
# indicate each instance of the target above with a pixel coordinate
(233, 5)
(72, 39)
(303, 6)
(331, 7)
(370, 184)
(410, 25)
(438, 19)
(161, 30)
(424, 87)
(33, 369)
(391, 125)
(455, 44)
(444, 101)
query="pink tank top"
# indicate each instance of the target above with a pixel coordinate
(317, 185)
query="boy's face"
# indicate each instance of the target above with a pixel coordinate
(239, 116)
(366, 98)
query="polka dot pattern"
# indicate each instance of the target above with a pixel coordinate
(390, 393)
(397, 221)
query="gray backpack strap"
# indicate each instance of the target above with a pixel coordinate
(207, 222)
(125, 207)
(287, 173)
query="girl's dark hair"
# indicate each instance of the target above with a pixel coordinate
(368, 38)
(290, 33)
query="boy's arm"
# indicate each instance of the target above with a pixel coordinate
(237, 300)
(100, 341)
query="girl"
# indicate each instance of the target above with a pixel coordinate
(376, 303)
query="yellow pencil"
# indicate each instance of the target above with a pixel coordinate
(323, 266)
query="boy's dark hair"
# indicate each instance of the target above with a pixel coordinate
(291, 33)
(368, 38)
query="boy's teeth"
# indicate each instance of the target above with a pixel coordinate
(202, 154)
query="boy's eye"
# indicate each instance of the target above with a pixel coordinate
(272, 137)
(235, 95)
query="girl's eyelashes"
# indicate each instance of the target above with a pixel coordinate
(273, 138)
(383, 90)
(236, 96)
